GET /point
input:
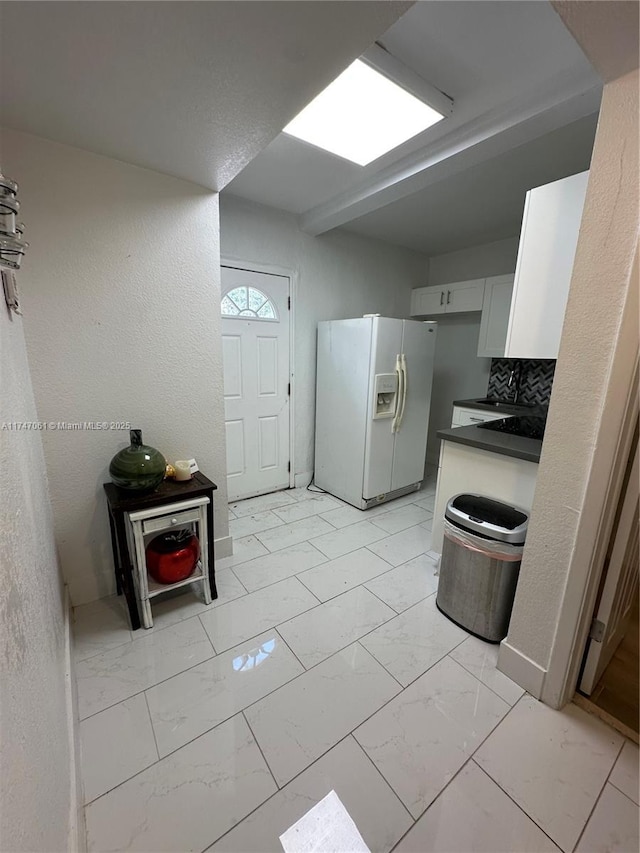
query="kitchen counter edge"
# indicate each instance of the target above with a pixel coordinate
(503, 443)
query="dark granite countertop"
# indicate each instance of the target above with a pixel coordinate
(503, 407)
(493, 441)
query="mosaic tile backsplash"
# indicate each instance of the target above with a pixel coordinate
(535, 380)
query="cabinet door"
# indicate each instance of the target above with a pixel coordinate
(464, 296)
(494, 322)
(426, 301)
(550, 228)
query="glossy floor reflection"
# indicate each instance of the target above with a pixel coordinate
(324, 665)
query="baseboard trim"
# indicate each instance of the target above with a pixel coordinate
(521, 669)
(77, 830)
(223, 547)
(303, 480)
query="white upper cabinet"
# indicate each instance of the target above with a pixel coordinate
(426, 301)
(494, 322)
(548, 240)
(465, 295)
(457, 297)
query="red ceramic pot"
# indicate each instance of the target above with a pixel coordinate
(172, 556)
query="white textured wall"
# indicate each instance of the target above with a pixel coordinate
(459, 374)
(586, 404)
(339, 275)
(35, 769)
(497, 258)
(121, 299)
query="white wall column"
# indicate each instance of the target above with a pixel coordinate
(595, 364)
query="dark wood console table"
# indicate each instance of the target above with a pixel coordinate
(123, 501)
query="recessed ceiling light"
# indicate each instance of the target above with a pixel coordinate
(362, 115)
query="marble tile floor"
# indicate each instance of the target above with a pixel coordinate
(324, 665)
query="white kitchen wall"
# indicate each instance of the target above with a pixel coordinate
(121, 302)
(37, 778)
(458, 372)
(496, 258)
(339, 275)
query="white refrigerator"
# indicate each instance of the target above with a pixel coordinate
(373, 395)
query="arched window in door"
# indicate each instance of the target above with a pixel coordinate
(248, 302)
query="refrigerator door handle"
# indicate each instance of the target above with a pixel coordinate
(395, 425)
(403, 372)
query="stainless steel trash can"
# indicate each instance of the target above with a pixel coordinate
(481, 556)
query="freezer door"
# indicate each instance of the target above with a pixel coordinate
(410, 446)
(378, 459)
(342, 395)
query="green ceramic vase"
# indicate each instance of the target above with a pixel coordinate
(137, 467)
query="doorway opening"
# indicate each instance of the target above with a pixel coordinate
(609, 684)
(257, 365)
(616, 693)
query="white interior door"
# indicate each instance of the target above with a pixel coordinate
(255, 348)
(620, 586)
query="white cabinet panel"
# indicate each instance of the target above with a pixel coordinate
(464, 296)
(550, 228)
(494, 322)
(426, 301)
(457, 297)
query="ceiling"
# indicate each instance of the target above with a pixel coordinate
(517, 78)
(201, 90)
(191, 89)
(485, 202)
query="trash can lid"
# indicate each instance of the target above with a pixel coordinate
(487, 517)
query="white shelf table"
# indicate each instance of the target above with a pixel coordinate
(143, 525)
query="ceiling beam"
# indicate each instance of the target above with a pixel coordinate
(385, 63)
(563, 101)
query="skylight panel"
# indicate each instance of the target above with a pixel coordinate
(362, 115)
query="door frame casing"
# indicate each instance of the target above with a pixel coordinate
(292, 276)
(574, 623)
(597, 656)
